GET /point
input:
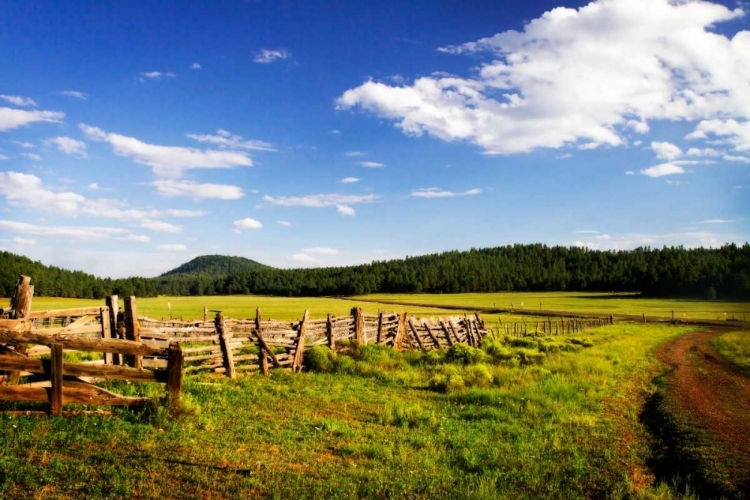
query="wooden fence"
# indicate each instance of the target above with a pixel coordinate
(80, 329)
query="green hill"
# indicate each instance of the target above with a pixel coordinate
(216, 265)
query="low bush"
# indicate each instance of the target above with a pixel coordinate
(464, 353)
(320, 359)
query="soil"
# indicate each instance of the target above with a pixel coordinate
(711, 394)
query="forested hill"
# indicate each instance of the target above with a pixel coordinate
(216, 265)
(670, 271)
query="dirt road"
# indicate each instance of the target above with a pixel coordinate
(713, 396)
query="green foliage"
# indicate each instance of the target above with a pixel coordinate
(525, 342)
(496, 349)
(464, 353)
(407, 415)
(735, 346)
(585, 342)
(320, 359)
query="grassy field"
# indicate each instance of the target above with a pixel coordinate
(735, 346)
(554, 419)
(584, 303)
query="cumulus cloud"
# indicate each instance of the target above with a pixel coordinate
(267, 56)
(371, 164)
(703, 152)
(11, 118)
(346, 210)
(743, 159)
(75, 93)
(190, 189)
(578, 76)
(629, 172)
(247, 223)
(167, 161)
(17, 100)
(173, 247)
(348, 180)
(666, 150)
(663, 169)
(228, 140)
(438, 193)
(731, 132)
(68, 145)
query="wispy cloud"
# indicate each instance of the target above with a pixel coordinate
(167, 161)
(438, 193)
(173, 247)
(195, 65)
(11, 118)
(161, 227)
(190, 189)
(586, 231)
(335, 131)
(371, 164)
(78, 233)
(284, 223)
(353, 153)
(346, 210)
(303, 258)
(742, 159)
(321, 251)
(319, 200)
(17, 100)
(267, 56)
(74, 93)
(348, 180)
(68, 145)
(227, 140)
(717, 221)
(662, 170)
(156, 75)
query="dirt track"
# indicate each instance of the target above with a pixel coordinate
(713, 395)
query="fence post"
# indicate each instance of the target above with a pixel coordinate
(205, 313)
(446, 333)
(20, 308)
(106, 332)
(132, 328)
(432, 335)
(300, 352)
(359, 325)
(416, 336)
(379, 338)
(56, 379)
(114, 307)
(226, 349)
(262, 355)
(644, 317)
(175, 359)
(398, 340)
(329, 331)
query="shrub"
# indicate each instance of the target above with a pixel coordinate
(407, 415)
(348, 347)
(433, 358)
(525, 342)
(320, 359)
(581, 342)
(570, 347)
(548, 347)
(530, 357)
(345, 364)
(462, 353)
(377, 353)
(478, 375)
(496, 350)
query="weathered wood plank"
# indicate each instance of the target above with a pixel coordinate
(81, 344)
(298, 355)
(132, 329)
(174, 377)
(56, 377)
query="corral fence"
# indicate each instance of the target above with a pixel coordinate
(33, 346)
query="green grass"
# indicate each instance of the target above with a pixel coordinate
(564, 427)
(583, 302)
(734, 346)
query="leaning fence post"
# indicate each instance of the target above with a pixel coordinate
(175, 359)
(114, 307)
(400, 331)
(132, 328)
(106, 332)
(56, 379)
(299, 353)
(20, 308)
(226, 349)
(359, 325)
(262, 355)
(380, 336)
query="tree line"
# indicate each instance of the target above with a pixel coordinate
(666, 272)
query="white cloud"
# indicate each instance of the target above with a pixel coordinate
(703, 152)
(666, 150)
(335, 131)
(138, 238)
(743, 159)
(578, 76)
(78, 233)
(731, 132)
(629, 172)
(348, 180)
(717, 221)
(247, 223)
(156, 75)
(637, 126)
(586, 231)
(13, 118)
(663, 169)
(174, 247)
(68, 145)
(161, 227)
(24, 145)
(32, 156)
(353, 153)
(74, 93)
(284, 223)
(17, 100)
(321, 251)
(437, 193)
(228, 140)
(319, 200)
(190, 189)
(304, 258)
(167, 161)
(24, 242)
(3, 157)
(195, 65)
(689, 239)
(267, 56)
(371, 164)
(346, 210)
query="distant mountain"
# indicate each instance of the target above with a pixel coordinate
(216, 265)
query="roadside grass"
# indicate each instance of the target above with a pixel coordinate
(583, 302)
(520, 425)
(735, 347)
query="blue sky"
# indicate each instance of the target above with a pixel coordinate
(136, 136)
